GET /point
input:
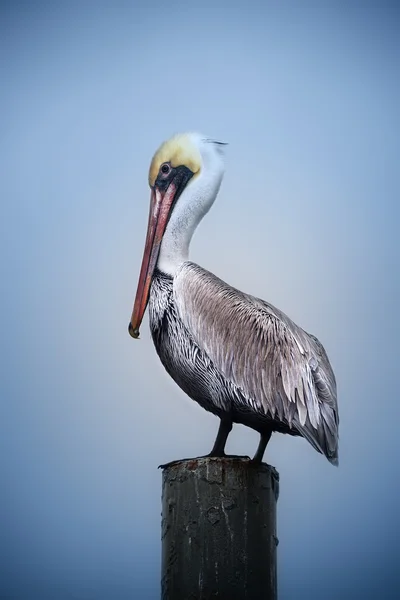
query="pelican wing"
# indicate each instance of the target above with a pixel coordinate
(281, 371)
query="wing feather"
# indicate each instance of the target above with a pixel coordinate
(282, 371)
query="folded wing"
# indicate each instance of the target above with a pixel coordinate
(281, 370)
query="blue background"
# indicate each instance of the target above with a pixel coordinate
(307, 94)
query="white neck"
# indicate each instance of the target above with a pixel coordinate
(191, 206)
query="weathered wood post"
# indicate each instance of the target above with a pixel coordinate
(219, 530)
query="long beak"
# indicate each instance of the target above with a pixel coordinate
(160, 207)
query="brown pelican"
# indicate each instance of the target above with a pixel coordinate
(238, 356)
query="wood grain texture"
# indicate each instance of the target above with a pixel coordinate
(219, 530)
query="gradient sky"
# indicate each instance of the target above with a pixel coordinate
(307, 94)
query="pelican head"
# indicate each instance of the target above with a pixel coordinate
(184, 177)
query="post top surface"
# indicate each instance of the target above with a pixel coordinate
(226, 461)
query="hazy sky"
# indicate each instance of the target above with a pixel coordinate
(307, 94)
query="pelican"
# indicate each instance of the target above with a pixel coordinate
(236, 355)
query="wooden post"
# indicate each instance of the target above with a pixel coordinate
(219, 530)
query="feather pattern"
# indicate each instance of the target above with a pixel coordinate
(272, 372)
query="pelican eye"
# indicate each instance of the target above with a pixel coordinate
(165, 169)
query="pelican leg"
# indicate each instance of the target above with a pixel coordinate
(264, 439)
(225, 427)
